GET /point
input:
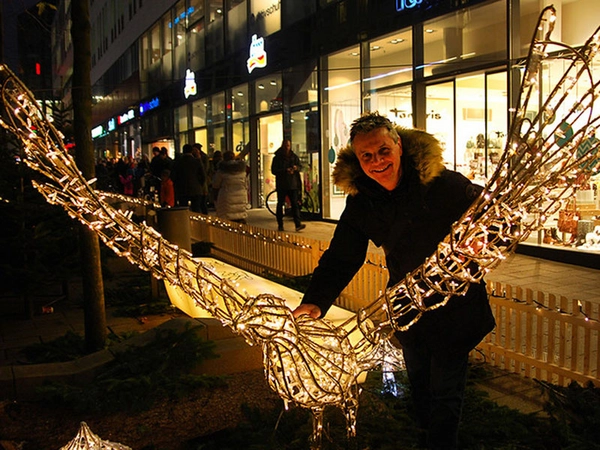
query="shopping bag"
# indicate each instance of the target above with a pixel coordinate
(568, 218)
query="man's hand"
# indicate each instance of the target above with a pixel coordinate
(312, 310)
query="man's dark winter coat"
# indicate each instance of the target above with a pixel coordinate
(408, 223)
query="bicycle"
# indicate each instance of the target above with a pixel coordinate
(305, 203)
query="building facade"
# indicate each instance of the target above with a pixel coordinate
(242, 75)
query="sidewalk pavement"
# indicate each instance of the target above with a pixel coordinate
(16, 332)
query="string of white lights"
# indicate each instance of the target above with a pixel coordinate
(86, 439)
(312, 363)
(231, 227)
(539, 306)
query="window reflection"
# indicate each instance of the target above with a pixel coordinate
(465, 37)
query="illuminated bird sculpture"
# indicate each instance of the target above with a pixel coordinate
(551, 149)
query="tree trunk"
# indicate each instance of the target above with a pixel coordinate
(93, 286)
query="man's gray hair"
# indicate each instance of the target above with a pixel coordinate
(371, 121)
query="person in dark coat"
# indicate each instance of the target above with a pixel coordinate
(401, 197)
(189, 178)
(286, 168)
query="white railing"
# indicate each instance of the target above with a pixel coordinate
(537, 334)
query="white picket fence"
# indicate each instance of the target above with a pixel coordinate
(538, 334)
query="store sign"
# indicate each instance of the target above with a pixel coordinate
(112, 124)
(149, 105)
(404, 114)
(267, 16)
(182, 16)
(401, 113)
(258, 56)
(401, 5)
(266, 12)
(98, 131)
(190, 87)
(123, 118)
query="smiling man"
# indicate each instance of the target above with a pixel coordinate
(401, 197)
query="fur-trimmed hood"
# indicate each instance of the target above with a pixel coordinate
(422, 150)
(232, 166)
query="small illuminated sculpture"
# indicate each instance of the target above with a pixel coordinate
(86, 440)
(313, 363)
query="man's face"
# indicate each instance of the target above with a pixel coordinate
(379, 156)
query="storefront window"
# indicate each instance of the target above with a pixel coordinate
(201, 137)
(196, 41)
(216, 124)
(297, 10)
(471, 127)
(265, 17)
(179, 23)
(497, 126)
(239, 116)
(575, 21)
(469, 36)
(214, 32)
(301, 83)
(581, 234)
(167, 34)
(199, 113)
(155, 53)
(389, 61)
(268, 94)
(208, 121)
(181, 119)
(179, 26)
(440, 118)
(145, 52)
(304, 130)
(181, 124)
(474, 139)
(341, 105)
(394, 103)
(388, 65)
(195, 10)
(270, 137)
(237, 19)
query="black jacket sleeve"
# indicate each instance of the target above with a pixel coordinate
(338, 265)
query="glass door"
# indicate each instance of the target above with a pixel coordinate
(270, 137)
(305, 143)
(440, 118)
(469, 117)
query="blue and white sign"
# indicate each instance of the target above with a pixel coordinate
(149, 105)
(401, 5)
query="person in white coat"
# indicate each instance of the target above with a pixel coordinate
(231, 188)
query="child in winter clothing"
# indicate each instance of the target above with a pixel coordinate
(167, 191)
